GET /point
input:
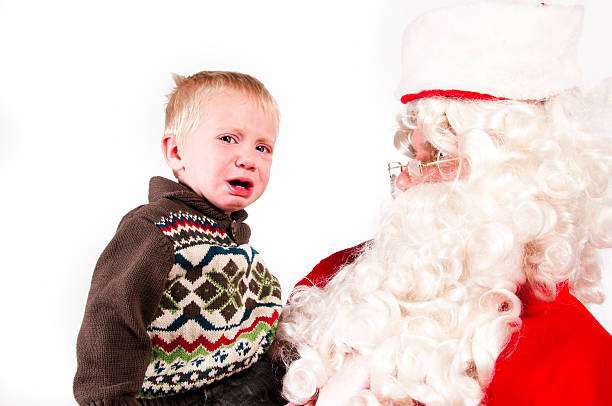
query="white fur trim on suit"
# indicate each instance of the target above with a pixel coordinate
(521, 50)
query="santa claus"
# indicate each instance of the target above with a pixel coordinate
(472, 289)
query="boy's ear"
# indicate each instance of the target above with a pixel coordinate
(171, 153)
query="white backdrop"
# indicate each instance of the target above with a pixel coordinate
(82, 92)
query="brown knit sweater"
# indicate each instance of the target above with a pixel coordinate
(178, 300)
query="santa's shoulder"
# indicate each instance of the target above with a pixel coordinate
(562, 355)
(328, 267)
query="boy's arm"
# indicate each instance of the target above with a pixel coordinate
(113, 347)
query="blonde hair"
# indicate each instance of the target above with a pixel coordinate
(185, 103)
(433, 300)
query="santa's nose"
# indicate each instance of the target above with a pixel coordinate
(403, 181)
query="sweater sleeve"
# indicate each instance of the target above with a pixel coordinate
(113, 347)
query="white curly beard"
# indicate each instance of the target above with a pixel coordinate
(431, 302)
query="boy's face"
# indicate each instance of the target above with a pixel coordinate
(227, 158)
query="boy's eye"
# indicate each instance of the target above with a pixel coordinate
(228, 139)
(262, 148)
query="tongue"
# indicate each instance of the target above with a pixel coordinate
(238, 183)
(240, 188)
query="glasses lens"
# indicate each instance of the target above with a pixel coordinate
(414, 167)
(447, 165)
(392, 185)
(395, 168)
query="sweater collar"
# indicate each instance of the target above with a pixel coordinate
(232, 224)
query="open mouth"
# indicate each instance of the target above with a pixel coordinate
(240, 183)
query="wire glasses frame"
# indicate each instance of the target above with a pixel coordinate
(414, 166)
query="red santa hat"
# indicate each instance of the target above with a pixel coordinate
(492, 50)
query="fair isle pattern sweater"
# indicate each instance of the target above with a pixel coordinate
(178, 300)
(218, 312)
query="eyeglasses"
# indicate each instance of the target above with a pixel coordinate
(415, 167)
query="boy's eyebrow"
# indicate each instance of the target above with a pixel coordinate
(230, 129)
(267, 140)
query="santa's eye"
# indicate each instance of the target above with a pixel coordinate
(441, 155)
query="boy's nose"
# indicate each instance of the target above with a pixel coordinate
(245, 161)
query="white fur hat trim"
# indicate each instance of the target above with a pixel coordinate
(521, 50)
